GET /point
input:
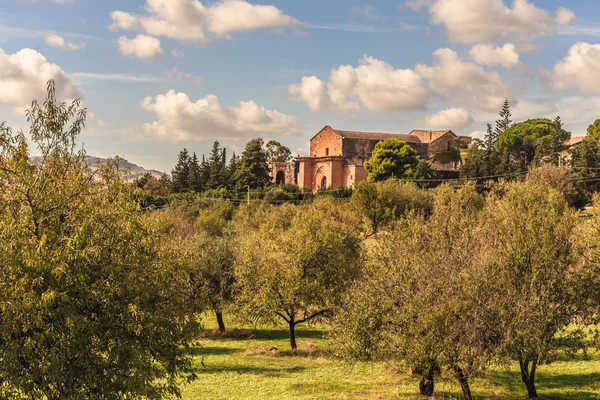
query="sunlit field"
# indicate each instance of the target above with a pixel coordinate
(238, 366)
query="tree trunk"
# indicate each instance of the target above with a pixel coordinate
(219, 315)
(426, 384)
(292, 324)
(464, 383)
(528, 375)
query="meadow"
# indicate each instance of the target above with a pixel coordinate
(238, 365)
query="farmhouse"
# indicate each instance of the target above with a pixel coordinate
(337, 157)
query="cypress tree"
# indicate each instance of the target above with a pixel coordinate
(217, 167)
(253, 168)
(181, 172)
(194, 174)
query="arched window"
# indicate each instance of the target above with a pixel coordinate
(324, 183)
(280, 177)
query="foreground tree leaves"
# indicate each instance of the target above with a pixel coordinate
(296, 264)
(91, 306)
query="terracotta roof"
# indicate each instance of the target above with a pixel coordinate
(377, 136)
(428, 136)
(575, 140)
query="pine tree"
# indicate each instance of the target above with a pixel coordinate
(253, 168)
(490, 139)
(204, 173)
(194, 183)
(181, 172)
(217, 167)
(504, 122)
(230, 171)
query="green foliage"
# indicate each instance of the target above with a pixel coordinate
(181, 172)
(593, 131)
(379, 204)
(529, 229)
(91, 305)
(408, 307)
(253, 169)
(296, 265)
(391, 158)
(277, 153)
(533, 140)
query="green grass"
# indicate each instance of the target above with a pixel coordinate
(238, 366)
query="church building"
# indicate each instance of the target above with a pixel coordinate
(337, 157)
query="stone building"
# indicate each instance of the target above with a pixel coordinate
(337, 157)
(283, 173)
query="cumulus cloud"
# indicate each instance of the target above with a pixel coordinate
(579, 69)
(178, 119)
(59, 42)
(142, 47)
(564, 16)
(487, 54)
(464, 83)
(577, 109)
(373, 84)
(190, 21)
(24, 76)
(451, 118)
(476, 21)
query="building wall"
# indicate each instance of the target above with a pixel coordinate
(286, 168)
(442, 145)
(326, 139)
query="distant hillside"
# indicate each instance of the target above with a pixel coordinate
(130, 170)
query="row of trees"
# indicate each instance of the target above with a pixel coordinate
(447, 281)
(251, 169)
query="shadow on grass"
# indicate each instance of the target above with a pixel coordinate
(249, 369)
(552, 386)
(261, 334)
(211, 351)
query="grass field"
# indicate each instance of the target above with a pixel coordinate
(240, 367)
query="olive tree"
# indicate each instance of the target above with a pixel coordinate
(422, 296)
(528, 230)
(295, 266)
(90, 306)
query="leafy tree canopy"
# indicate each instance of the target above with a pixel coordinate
(392, 158)
(91, 306)
(593, 130)
(534, 137)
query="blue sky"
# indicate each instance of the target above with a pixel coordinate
(296, 66)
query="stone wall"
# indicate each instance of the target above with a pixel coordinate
(326, 144)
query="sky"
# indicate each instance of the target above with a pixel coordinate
(160, 75)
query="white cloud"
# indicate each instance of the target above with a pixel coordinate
(491, 55)
(579, 69)
(451, 118)
(577, 109)
(374, 84)
(142, 47)
(180, 119)
(174, 74)
(59, 42)
(478, 134)
(463, 83)
(190, 21)
(476, 21)
(23, 78)
(177, 53)
(564, 16)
